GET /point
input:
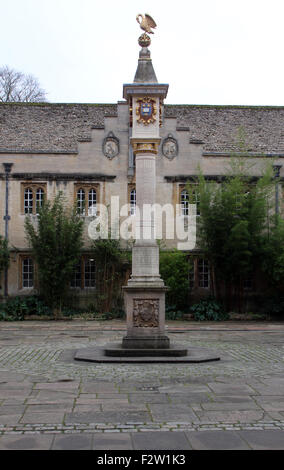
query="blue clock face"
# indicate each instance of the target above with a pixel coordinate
(146, 109)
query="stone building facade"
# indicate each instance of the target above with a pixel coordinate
(84, 151)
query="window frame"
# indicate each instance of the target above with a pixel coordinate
(34, 187)
(82, 279)
(24, 258)
(183, 189)
(87, 187)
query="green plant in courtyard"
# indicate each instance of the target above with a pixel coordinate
(56, 241)
(111, 266)
(208, 310)
(174, 270)
(233, 218)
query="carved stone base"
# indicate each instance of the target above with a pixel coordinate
(145, 313)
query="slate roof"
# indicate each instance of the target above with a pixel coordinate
(52, 127)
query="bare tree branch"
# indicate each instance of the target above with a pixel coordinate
(18, 87)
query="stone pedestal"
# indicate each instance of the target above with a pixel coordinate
(145, 313)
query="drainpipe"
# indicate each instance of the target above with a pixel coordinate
(276, 169)
(7, 168)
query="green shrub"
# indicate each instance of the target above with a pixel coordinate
(273, 306)
(17, 308)
(172, 313)
(208, 310)
(174, 270)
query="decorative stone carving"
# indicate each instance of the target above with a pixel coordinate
(145, 145)
(111, 146)
(170, 147)
(146, 313)
(146, 110)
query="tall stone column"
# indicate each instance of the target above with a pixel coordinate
(144, 295)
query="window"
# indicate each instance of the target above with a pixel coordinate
(27, 273)
(186, 199)
(32, 197)
(248, 283)
(132, 198)
(133, 202)
(86, 197)
(203, 273)
(84, 274)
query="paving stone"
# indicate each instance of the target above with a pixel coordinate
(189, 398)
(97, 387)
(19, 394)
(269, 390)
(58, 386)
(270, 403)
(43, 418)
(185, 389)
(73, 442)
(241, 406)
(230, 416)
(54, 395)
(122, 417)
(232, 389)
(216, 440)
(148, 398)
(163, 440)
(50, 401)
(112, 442)
(10, 419)
(175, 413)
(265, 440)
(58, 407)
(86, 408)
(12, 409)
(36, 442)
(114, 406)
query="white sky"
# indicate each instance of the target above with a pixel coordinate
(208, 51)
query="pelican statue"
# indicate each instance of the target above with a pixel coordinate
(146, 22)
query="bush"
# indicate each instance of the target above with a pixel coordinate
(208, 310)
(172, 313)
(273, 306)
(17, 308)
(174, 270)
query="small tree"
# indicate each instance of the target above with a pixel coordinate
(273, 255)
(111, 264)
(4, 254)
(56, 240)
(234, 217)
(18, 87)
(174, 270)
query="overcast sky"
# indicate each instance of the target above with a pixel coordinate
(208, 51)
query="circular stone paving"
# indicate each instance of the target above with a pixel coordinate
(52, 355)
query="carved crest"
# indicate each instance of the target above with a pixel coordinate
(111, 146)
(146, 313)
(146, 110)
(170, 147)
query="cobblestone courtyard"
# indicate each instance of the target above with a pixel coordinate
(50, 401)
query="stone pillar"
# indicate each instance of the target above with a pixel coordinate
(145, 293)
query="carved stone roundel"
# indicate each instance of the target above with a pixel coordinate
(170, 147)
(111, 146)
(146, 313)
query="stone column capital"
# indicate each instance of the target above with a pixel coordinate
(145, 145)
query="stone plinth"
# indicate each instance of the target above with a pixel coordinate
(145, 316)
